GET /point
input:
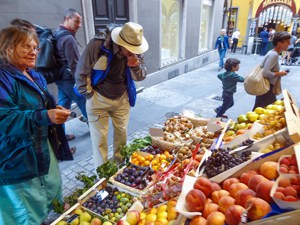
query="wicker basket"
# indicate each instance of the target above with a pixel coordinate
(164, 145)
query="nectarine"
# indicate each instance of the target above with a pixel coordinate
(257, 208)
(243, 195)
(233, 214)
(269, 170)
(195, 200)
(263, 190)
(215, 218)
(228, 182)
(203, 184)
(234, 188)
(225, 202)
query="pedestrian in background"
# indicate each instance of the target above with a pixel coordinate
(29, 174)
(222, 45)
(271, 68)
(67, 56)
(229, 80)
(235, 40)
(287, 55)
(264, 35)
(113, 94)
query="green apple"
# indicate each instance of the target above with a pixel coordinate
(78, 211)
(242, 118)
(75, 221)
(230, 132)
(107, 223)
(279, 102)
(259, 110)
(85, 217)
(62, 223)
(241, 126)
(253, 117)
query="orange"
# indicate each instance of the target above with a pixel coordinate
(147, 163)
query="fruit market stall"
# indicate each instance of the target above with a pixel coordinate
(197, 171)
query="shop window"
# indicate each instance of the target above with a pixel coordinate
(171, 30)
(205, 25)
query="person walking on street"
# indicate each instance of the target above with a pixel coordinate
(29, 174)
(271, 69)
(264, 35)
(114, 92)
(222, 45)
(235, 39)
(229, 80)
(287, 55)
(67, 56)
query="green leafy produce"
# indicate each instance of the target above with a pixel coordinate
(58, 206)
(86, 180)
(107, 169)
(137, 144)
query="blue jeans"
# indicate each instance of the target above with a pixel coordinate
(227, 103)
(66, 95)
(264, 48)
(222, 52)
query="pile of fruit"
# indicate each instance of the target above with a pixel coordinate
(288, 189)
(272, 147)
(228, 202)
(288, 165)
(132, 176)
(161, 161)
(220, 161)
(113, 207)
(141, 159)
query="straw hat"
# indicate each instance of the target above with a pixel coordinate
(130, 36)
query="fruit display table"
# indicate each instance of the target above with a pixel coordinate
(204, 172)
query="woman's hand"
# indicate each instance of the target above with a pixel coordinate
(281, 73)
(58, 115)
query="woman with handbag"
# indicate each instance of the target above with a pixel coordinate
(271, 69)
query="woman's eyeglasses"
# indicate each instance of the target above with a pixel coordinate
(28, 49)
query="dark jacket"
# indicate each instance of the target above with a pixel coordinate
(67, 53)
(229, 81)
(222, 43)
(24, 152)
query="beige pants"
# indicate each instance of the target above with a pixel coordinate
(99, 109)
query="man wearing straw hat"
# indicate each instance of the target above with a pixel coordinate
(104, 75)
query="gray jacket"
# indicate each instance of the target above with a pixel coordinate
(87, 60)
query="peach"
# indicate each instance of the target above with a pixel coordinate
(289, 198)
(285, 161)
(133, 217)
(269, 170)
(209, 208)
(198, 220)
(225, 202)
(243, 195)
(294, 160)
(263, 190)
(245, 177)
(215, 187)
(216, 195)
(233, 214)
(257, 208)
(255, 180)
(280, 189)
(195, 200)
(290, 191)
(279, 195)
(284, 182)
(236, 187)
(295, 180)
(215, 218)
(228, 182)
(203, 184)
(283, 169)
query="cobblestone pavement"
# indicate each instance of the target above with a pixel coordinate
(196, 91)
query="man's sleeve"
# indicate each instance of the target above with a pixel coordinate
(84, 68)
(139, 72)
(70, 49)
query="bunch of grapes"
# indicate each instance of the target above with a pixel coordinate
(221, 160)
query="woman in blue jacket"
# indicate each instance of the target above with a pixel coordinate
(222, 45)
(29, 175)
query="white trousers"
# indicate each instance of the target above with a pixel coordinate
(99, 110)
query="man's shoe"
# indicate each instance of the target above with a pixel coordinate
(70, 137)
(73, 150)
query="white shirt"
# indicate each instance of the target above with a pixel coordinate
(236, 34)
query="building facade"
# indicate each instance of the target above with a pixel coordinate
(181, 33)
